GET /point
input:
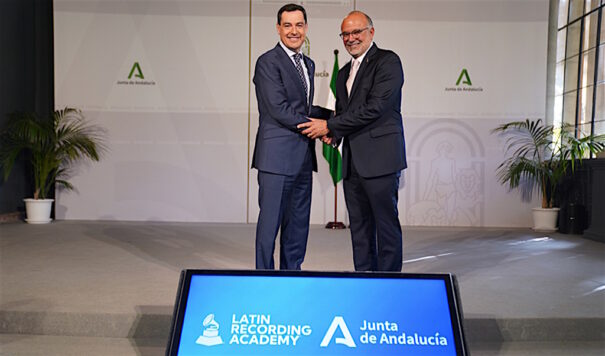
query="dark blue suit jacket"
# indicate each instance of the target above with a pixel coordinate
(282, 104)
(370, 118)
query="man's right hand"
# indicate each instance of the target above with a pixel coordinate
(327, 140)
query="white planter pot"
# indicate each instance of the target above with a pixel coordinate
(38, 210)
(545, 219)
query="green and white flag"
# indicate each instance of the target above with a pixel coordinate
(332, 154)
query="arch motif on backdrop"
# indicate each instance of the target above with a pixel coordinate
(445, 187)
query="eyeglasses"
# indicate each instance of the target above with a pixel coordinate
(354, 33)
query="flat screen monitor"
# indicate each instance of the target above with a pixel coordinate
(222, 312)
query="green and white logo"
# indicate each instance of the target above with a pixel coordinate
(139, 73)
(464, 84)
(136, 77)
(463, 74)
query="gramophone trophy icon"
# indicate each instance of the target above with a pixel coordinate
(210, 336)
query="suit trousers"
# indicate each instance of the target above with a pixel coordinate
(285, 203)
(375, 228)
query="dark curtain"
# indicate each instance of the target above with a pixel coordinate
(26, 79)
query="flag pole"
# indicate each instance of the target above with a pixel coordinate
(332, 154)
(335, 225)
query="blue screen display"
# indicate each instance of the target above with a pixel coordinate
(311, 315)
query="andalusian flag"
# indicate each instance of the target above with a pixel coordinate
(331, 154)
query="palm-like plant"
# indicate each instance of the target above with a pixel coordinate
(540, 155)
(53, 146)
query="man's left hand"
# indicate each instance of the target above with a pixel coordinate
(314, 128)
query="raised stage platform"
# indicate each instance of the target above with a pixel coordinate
(108, 288)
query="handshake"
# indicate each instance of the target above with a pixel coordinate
(316, 128)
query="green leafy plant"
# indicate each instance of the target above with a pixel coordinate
(52, 145)
(538, 156)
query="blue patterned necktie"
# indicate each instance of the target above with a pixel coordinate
(301, 73)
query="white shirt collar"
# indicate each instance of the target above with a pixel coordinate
(360, 58)
(289, 52)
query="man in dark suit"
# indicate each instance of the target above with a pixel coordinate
(368, 117)
(285, 158)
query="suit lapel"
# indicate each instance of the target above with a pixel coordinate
(362, 69)
(341, 85)
(311, 71)
(291, 69)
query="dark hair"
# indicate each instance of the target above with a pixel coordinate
(290, 8)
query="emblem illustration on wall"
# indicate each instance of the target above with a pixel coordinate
(451, 189)
(306, 47)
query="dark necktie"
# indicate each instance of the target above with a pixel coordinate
(301, 73)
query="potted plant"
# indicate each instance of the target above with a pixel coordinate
(538, 156)
(52, 146)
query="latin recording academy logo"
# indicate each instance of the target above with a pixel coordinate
(257, 329)
(464, 84)
(252, 329)
(210, 336)
(136, 77)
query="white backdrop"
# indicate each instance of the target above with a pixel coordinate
(180, 138)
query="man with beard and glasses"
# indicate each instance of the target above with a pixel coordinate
(368, 118)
